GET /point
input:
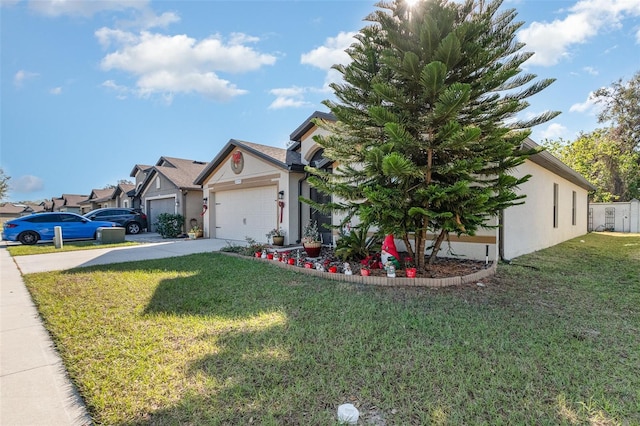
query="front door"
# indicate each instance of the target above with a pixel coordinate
(321, 219)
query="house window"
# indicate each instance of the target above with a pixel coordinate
(125, 203)
(573, 208)
(158, 182)
(555, 205)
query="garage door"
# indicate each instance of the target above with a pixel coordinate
(156, 207)
(243, 213)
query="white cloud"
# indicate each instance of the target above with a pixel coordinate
(323, 57)
(27, 183)
(121, 92)
(589, 106)
(591, 70)
(21, 76)
(56, 91)
(331, 53)
(552, 41)
(638, 37)
(180, 64)
(289, 97)
(553, 131)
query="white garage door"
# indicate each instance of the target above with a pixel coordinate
(156, 207)
(243, 213)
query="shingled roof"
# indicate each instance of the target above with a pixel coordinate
(179, 171)
(99, 195)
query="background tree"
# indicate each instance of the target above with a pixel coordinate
(426, 132)
(120, 182)
(609, 157)
(597, 156)
(621, 104)
(4, 184)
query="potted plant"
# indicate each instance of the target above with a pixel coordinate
(409, 267)
(277, 236)
(310, 240)
(195, 232)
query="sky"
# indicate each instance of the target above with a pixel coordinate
(91, 88)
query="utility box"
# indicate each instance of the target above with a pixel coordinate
(110, 235)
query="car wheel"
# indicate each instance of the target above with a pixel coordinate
(28, 238)
(133, 228)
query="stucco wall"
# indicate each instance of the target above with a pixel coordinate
(256, 172)
(167, 188)
(626, 216)
(192, 203)
(529, 227)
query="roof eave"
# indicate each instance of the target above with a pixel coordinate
(226, 150)
(554, 165)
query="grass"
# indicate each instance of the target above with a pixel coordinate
(44, 248)
(554, 338)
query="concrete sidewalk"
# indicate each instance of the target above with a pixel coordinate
(34, 386)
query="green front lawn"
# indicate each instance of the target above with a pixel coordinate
(554, 338)
(44, 248)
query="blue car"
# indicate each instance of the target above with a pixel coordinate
(40, 227)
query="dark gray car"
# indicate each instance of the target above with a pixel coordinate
(132, 220)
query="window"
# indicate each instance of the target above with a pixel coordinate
(45, 218)
(158, 182)
(555, 205)
(573, 208)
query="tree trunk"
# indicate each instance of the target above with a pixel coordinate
(421, 241)
(436, 246)
(409, 247)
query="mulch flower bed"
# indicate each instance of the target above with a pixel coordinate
(442, 267)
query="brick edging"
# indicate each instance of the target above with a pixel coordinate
(384, 281)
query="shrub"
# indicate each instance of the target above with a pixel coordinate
(169, 225)
(357, 245)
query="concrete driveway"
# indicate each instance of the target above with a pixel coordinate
(152, 246)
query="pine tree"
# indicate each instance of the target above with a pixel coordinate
(426, 131)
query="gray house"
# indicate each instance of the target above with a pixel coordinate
(168, 188)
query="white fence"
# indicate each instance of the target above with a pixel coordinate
(617, 217)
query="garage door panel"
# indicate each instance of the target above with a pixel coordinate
(157, 207)
(242, 213)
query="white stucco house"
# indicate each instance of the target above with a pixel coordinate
(616, 217)
(249, 189)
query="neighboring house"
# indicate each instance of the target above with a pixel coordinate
(139, 174)
(617, 217)
(68, 203)
(124, 194)
(99, 198)
(168, 188)
(251, 188)
(10, 211)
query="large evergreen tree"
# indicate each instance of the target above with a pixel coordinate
(426, 131)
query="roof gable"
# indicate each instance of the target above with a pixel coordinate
(180, 172)
(308, 124)
(279, 157)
